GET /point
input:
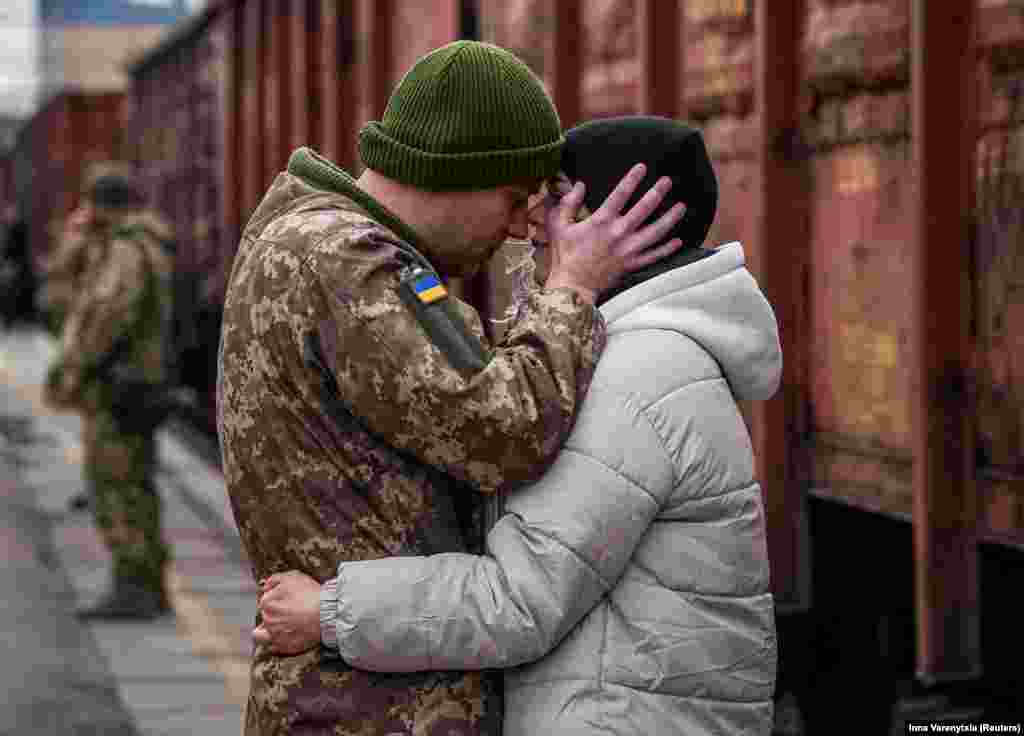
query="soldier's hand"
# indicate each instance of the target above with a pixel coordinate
(289, 604)
(78, 222)
(592, 255)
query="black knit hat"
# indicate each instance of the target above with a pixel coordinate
(601, 152)
(467, 116)
(114, 190)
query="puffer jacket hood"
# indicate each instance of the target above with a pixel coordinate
(716, 302)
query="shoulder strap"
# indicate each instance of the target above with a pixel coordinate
(425, 296)
(133, 233)
(436, 316)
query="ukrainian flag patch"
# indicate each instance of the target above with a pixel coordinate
(429, 289)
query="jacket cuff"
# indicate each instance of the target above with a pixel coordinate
(329, 613)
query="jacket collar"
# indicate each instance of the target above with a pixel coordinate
(320, 173)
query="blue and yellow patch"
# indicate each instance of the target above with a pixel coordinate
(429, 289)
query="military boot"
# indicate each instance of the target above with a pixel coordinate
(127, 600)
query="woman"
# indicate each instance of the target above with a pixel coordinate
(629, 585)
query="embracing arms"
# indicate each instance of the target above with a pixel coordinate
(564, 544)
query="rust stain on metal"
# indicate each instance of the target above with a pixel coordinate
(783, 205)
(857, 171)
(866, 345)
(999, 292)
(567, 71)
(945, 494)
(659, 89)
(719, 70)
(859, 370)
(703, 11)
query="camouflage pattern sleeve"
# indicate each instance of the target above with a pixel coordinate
(103, 311)
(499, 427)
(62, 270)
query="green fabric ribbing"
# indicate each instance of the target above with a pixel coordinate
(321, 173)
(467, 116)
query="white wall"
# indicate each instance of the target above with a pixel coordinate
(20, 75)
(18, 56)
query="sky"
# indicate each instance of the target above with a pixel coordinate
(17, 56)
(19, 51)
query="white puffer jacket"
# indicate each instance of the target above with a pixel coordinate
(636, 569)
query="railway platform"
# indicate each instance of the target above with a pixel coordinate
(184, 673)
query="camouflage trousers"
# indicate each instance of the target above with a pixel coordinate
(120, 469)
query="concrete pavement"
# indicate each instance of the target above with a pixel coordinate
(54, 677)
(186, 673)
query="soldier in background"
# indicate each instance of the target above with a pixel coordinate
(64, 267)
(111, 275)
(62, 279)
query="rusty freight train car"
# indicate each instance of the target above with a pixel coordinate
(178, 140)
(870, 156)
(52, 151)
(216, 109)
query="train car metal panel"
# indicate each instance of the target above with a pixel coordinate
(998, 272)
(303, 34)
(181, 113)
(420, 26)
(719, 59)
(855, 72)
(375, 57)
(945, 509)
(778, 257)
(277, 52)
(610, 65)
(853, 142)
(53, 150)
(253, 95)
(659, 26)
(860, 357)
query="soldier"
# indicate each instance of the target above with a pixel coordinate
(112, 357)
(360, 406)
(63, 271)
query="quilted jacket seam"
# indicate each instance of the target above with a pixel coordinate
(605, 684)
(590, 456)
(632, 406)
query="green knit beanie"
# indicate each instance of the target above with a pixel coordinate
(467, 116)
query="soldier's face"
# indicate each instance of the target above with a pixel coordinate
(498, 215)
(479, 222)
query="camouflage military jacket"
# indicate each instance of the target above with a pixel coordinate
(308, 494)
(64, 270)
(117, 298)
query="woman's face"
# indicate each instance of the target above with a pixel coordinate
(547, 199)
